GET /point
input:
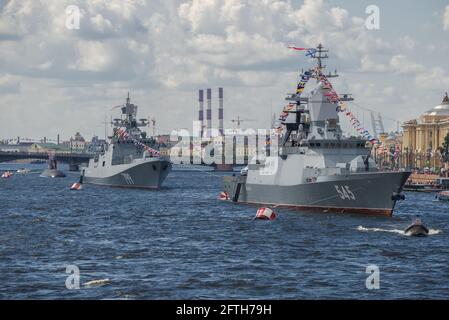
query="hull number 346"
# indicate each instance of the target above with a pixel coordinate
(345, 192)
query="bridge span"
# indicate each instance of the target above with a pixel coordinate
(73, 159)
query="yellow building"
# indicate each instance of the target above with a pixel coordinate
(424, 136)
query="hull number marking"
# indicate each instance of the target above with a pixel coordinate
(345, 192)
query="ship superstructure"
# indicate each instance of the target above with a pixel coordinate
(130, 159)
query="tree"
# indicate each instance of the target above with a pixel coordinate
(445, 149)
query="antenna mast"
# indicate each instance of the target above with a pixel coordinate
(321, 53)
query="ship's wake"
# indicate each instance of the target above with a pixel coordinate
(401, 232)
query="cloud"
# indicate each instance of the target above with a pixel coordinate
(173, 45)
(401, 64)
(93, 56)
(407, 43)
(9, 84)
(446, 18)
(436, 77)
(162, 51)
(367, 64)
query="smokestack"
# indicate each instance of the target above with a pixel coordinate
(220, 111)
(201, 111)
(57, 139)
(209, 113)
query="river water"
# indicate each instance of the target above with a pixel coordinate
(181, 242)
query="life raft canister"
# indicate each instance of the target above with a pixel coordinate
(265, 214)
(76, 186)
(224, 196)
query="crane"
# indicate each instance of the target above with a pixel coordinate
(238, 121)
(152, 122)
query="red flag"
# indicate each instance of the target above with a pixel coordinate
(296, 48)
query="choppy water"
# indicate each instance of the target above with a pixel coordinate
(183, 243)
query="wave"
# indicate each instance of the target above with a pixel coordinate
(97, 282)
(401, 232)
(434, 231)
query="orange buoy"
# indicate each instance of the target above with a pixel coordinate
(224, 196)
(76, 186)
(265, 214)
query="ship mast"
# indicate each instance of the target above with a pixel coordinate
(321, 53)
(128, 119)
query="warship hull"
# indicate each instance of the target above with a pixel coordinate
(148, 174)
(373, 193)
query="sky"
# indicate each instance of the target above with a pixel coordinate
(60, 80)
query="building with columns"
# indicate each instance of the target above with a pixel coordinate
(424, 136)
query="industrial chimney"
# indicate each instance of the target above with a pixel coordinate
(209, 113)
(220, 111)
(201, 111)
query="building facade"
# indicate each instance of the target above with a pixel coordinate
(76, 144)
(423, 137)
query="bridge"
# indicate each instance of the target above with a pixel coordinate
(73, 159)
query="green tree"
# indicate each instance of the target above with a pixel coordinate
(445, 149)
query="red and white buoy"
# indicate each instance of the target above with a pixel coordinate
(265, 214)
(224, 196)
(76, 186)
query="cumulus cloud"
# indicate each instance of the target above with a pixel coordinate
(93, 56)
(164, 50)
(367, 64)
(446, 18)
(174, 45)
(401, 64)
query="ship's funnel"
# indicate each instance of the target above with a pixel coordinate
(220, 111)
(209, 113)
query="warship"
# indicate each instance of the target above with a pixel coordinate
(129, 158)
(316, 166)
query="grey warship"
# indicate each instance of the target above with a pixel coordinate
(127, 160)
(317, 167)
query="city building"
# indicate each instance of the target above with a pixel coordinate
(76, 143)
(47, 147)
(423, 137)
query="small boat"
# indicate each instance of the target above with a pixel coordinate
(416, 229)
(23, 171)
(426, 182)
(423, 187)
(443, 196)
(7, 174)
